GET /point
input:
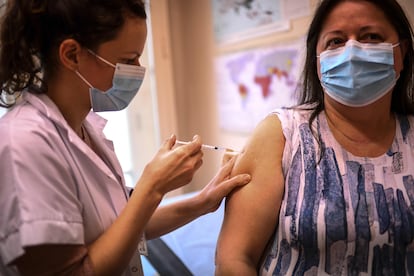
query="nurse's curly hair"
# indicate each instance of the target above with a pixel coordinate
(32, 30)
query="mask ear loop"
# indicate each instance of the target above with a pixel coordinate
(102, 59)
(399, 73)
(82, 78)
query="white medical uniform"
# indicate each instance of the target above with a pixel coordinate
(54, 189)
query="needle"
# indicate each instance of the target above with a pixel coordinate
(210, 147)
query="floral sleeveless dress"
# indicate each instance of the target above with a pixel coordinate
(342, 214)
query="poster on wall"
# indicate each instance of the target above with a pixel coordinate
(236, 20)
(250, 84)
(293, 9)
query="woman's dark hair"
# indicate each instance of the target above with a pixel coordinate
(32, 30)
(311, 91)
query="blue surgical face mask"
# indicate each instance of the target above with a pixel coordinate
(358, 74)
(126, 82)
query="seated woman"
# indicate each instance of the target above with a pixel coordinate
(332, 188)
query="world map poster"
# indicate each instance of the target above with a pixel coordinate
(250, 84)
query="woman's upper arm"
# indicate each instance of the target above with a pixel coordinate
(252, 211)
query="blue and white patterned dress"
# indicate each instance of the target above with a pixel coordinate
(343, 215)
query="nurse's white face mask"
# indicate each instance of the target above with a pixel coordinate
(126, 82)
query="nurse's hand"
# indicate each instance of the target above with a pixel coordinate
(170, 216)
(172, 168)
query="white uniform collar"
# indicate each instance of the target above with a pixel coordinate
(46, 106)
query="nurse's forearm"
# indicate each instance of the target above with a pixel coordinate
(111, 253)
(172, 216)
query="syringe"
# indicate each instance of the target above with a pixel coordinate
(210, 147)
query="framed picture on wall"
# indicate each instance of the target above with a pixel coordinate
(237, 20)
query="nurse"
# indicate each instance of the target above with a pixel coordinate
(64, 205)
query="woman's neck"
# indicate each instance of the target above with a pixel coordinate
(362, 131)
